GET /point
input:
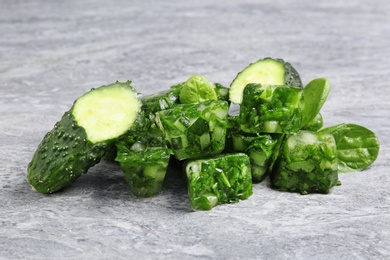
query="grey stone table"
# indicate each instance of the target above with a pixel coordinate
(51, 52)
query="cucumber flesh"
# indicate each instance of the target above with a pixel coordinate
(82, 136)
(106, 113)
(267, 71)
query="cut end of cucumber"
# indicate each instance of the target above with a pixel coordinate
(267, 72)
(107, 112)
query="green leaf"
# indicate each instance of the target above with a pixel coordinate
(357, 146)
(197, 89)
(315, 124)
(315, 94)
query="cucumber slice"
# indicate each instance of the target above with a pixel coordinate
(107, 112)
(267, 71)
(83, 135)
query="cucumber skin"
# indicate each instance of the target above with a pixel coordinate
(291, 75)
(63, 155)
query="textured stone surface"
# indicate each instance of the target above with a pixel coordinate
(51, 52)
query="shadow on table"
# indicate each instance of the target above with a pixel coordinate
(105, 182)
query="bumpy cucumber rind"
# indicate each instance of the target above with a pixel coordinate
(66, 152)
(63, 155)
(291, 75)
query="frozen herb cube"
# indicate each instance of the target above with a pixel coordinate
(315, 124)
(271, 109)
(259, 148)
(307, 163)
(195, 130)
(222, 92)
(225, 178)
(144, 159)
(161, 100)
(232, 127)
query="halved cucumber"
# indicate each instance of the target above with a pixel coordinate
(267, 71)
(83, 135)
